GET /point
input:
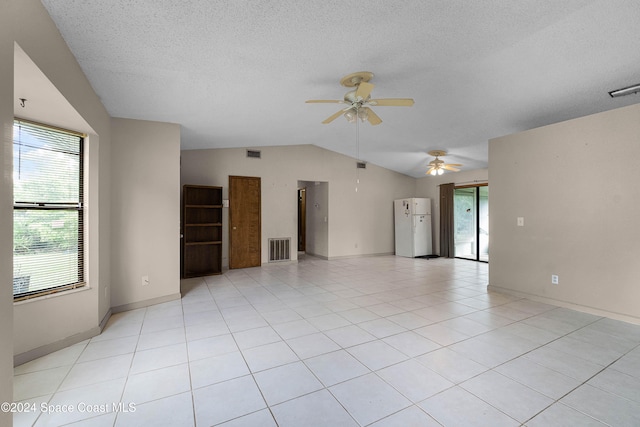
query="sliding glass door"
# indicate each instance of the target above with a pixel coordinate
(471, 222)
(483, 223)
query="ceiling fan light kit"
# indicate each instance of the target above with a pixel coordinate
(359, 100)
(437, 166)
(350, 116)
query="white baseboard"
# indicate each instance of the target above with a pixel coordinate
(30, 355)
(360, 256)
(565, 304)
(145, 303)
(316, 256)
(105, 319)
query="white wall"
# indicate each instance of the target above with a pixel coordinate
(6, 211)
(360, 223)
(145, 211)
(317, 232)
(575, 184)
(429, 187)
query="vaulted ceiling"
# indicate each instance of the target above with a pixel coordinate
(238, 73)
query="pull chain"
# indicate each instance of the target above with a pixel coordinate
(357, 148)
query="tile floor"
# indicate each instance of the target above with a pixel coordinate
(380, 341)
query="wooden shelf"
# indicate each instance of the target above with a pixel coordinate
(202, 230)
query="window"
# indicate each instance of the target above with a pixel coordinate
(48, 211)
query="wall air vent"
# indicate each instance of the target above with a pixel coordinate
(279, 249)
(361, 165)
(254, 154)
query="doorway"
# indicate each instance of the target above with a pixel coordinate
(245, 234)
(471, 222)
(302, 219)
(313, 218)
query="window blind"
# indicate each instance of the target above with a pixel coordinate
(48, 216)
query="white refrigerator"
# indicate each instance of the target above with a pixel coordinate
(413, 227)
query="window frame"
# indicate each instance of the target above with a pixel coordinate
(78, 207)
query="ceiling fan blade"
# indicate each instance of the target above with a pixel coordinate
(364, 90)
(373, 118)
(333, 117)
(324, 101)
(431, 169)
(449, 168)
(453, 164)
(393, 102)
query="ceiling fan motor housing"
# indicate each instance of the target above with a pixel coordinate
(351, 97)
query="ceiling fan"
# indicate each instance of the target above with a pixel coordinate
(359, 100)
(437, 166)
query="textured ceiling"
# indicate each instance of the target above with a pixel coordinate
(237, 73)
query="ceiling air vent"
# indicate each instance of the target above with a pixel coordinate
(361, 165)
(254, 154)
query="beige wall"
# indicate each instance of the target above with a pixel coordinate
(146, 233)
(145, 211)
(575, 185)
(6, 211)
(429, 187)
(36, 34)
(360, 223)
(27, 326)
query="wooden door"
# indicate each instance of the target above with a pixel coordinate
(244, 222)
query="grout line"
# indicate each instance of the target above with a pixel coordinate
(313, 278)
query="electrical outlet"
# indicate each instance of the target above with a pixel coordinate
(554, 279)
(520, 221)
(145, 280)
